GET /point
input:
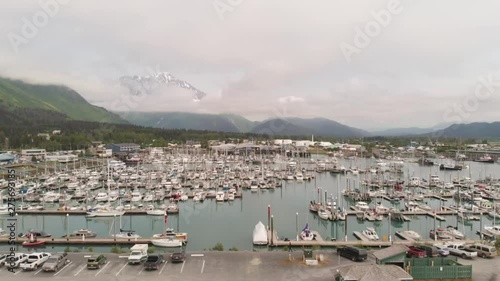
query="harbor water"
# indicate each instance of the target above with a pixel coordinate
(232, 223)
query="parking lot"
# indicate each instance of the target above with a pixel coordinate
(197, 266)
(223, 266)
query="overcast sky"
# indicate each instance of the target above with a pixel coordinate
(264, 59)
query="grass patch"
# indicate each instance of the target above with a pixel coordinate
(218, 247)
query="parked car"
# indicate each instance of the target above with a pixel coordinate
(352, 253)
(461, 251)
(15, 262)
(483, 251)
(55, 262)
(96, 262)
(415, 252)
(443, 250)
(153, 262)
(430, 251)
(178, 256)
(34, 261)
(2, 259)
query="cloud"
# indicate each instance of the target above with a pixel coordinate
(249, 65)
(290, 99)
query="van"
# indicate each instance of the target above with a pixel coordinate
(352, 253)
(431, 251)
(483, 251)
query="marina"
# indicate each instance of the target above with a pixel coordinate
(219, 199)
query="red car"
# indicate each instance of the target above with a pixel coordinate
(416, 253)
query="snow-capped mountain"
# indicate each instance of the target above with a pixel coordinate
(146, 84)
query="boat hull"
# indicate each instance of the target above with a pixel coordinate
(33, 244)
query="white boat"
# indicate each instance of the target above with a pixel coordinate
(172, 208)
(167, 242)
(361, 206)
(105, 213)
(493, 230)
(455, 233)
(412, 234)
(370, 233)
(219, 196)
(3, 233)
(324, 214)
(101, 197)
(306, 234)
(155, 212)
(126, 234)
(299, 177)
(230, 196)
(260, 234)
(169, 233)
(136, 196)
(4, 211)
(254, 186)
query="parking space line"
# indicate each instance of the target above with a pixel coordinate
(102, 268)
(17, 272)
(202, 266)
(121, 269)
(142, 269)
(55, 274)
(83, 267)
(182, 268)
(159, 273)
(38, 271)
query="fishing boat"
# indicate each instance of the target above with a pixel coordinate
(370, 234)
(260, 234)
(306, 234)
(486, 158)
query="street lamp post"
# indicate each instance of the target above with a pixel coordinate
(297, 226)
(67, 226)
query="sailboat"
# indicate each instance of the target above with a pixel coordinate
(306, 234)
(107, 211)
(170, 239)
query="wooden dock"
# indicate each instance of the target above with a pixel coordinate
(87, 241)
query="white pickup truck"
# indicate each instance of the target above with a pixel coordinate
(461, 251)
(14, 262)
(138, 253)
(34, 261)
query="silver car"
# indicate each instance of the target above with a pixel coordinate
(54, 263)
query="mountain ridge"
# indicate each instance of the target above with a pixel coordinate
(59, 98)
